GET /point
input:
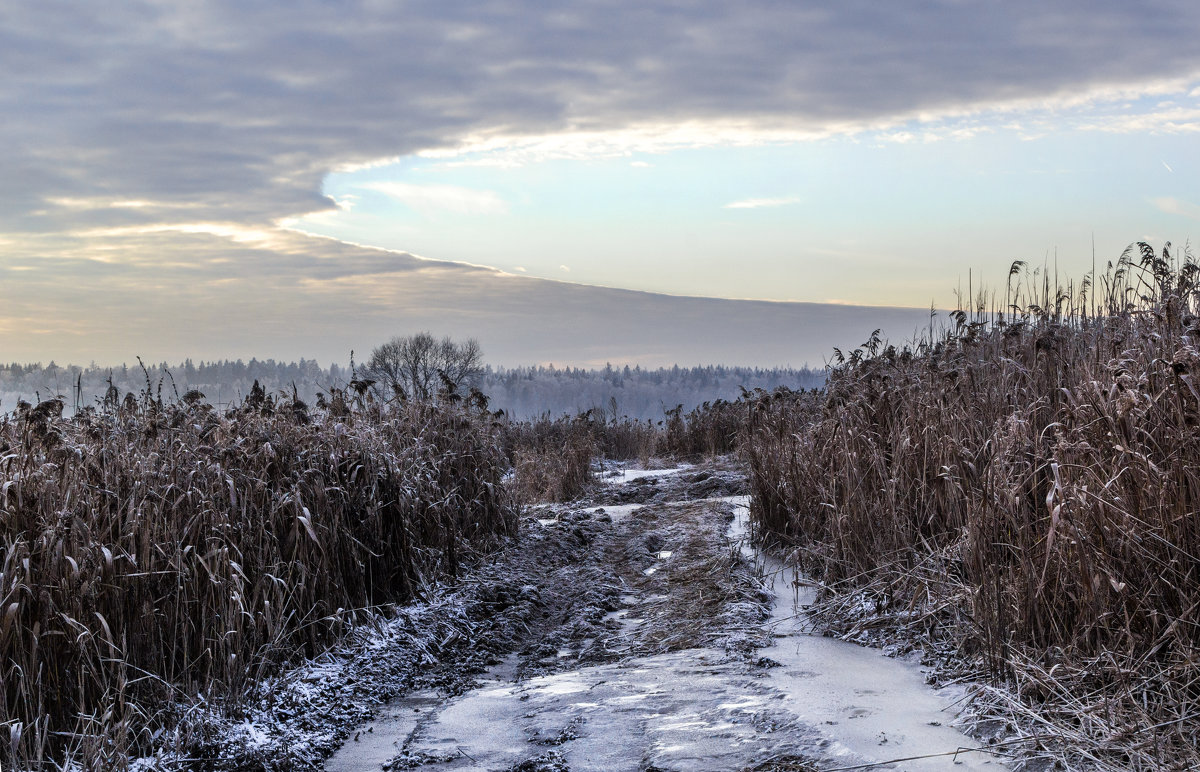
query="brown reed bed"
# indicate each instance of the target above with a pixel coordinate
(1022, 490)
(553, 458)
(711, 429)
(154, 553)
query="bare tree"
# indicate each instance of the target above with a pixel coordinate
(414, 366)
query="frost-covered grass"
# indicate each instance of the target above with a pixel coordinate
(1024, 488)
(293, 719)
(159, 555)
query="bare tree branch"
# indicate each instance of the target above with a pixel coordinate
(408, 366)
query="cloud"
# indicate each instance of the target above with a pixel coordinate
(1178, 120)
(429, 199)
(232, 231)
(321, 298)
(149, 149)
(759, 203)
(245, 107)
(101, 202)
(1171, 205)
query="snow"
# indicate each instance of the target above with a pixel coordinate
(629, 475)
(874, 706)
(698, 709)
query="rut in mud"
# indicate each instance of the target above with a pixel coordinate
(638, 632)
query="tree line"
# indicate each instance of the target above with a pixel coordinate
(410, 367)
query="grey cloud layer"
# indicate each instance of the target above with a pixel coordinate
(228, 300)
(232, 112)
(247, 105)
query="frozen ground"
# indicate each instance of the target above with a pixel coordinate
(636, 630)
(634, 668)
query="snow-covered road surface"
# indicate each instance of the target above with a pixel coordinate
(803, 702)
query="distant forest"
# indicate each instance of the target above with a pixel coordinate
(522, 392)
(634, 392)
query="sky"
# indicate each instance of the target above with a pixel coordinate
(633, 182)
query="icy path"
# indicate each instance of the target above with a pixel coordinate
(828, 704)
(874, 706)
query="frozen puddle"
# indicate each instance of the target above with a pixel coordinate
(620, 512)
(831, 703)
(380, 741)
(628, 475)
(876, 707)
(683, 711)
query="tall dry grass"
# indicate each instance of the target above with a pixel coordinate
(153, 552)
(1027, 483)
(553, 458)
(710, 429)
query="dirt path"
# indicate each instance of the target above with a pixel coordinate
(641, 633)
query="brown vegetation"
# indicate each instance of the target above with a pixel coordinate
(150, 553)
(710, 429)
(552, 458)
(1026, 487)
(156, 557)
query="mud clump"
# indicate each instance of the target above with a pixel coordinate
(684, 486)
(551, 761)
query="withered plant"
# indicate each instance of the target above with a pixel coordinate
(153, 552)
(1023, 488)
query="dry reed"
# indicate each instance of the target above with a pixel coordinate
(150, 553)
(1025, 485)
(708, 430)
(553, 458)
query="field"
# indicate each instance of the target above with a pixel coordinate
(1019, 493)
